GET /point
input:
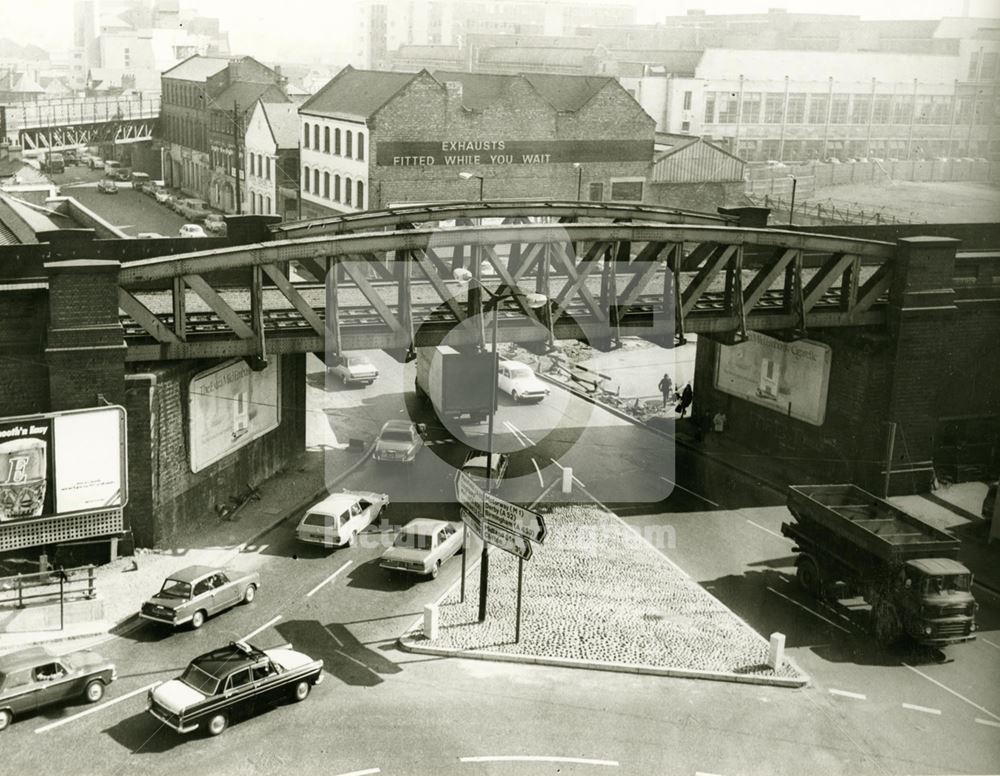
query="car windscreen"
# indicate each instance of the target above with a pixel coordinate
(395, 435)
(174, 588)
(199, 680)
(413, 541)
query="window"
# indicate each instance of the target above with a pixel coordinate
(687, 100)
(751, 107)
(241, 678)
(880, 110)
(326, 139)
(728, 107)
(316, 182)
(316, 136)
(796, 111)
(818, 106)
(305, 135)
(347, 191)
(359, 200)
(336, 141)
(973, 65)
(838, 109)
(940, 110)
(774, 108)
(963, 112)
(361, 146)
(336, 187)
(626, 191)
(305, 179)
(267, 204)
(326, 185)
(709, 108)
(685, 126)
(989, 69)
(203, 587)
(348, 135)
(267, 168)
(861, 110)
(902, 110)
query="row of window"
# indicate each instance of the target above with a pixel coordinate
(185, 131)
(984, 68)
(188, 94)
(345, 143)
(260, 204)
(259, 165)
(311, 180)
(803, 108)
(772, 148)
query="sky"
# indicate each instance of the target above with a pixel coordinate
(304, 29)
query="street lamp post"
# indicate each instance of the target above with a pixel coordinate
(579, 179)
(791, 208)
(468, 176)
(535, 302)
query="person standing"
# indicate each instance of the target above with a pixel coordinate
(666, 387)
(687, 396)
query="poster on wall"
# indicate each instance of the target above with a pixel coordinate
(788, 377)
(230, 406)
(61, 463)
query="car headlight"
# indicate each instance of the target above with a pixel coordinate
(928, 630)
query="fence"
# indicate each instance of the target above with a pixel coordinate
(47, 586)
(830, 212)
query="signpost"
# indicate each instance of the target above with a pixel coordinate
(506, 526)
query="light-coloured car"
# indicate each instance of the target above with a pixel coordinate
(422, 546)
(192, 230)
(339, 518)
(354, 369)
(399, 441)
(107, 186)
(214, 222)
(193, 594)
(519, 382)
(162, 196)
(148, 235)
(95, 163)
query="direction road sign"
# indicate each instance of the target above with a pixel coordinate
(498, 537)
(500, 513)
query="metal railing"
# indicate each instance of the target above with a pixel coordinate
(41, 587)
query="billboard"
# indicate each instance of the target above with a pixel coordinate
(229, 406)
(788, 377)
(62, 463)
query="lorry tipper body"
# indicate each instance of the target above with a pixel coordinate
(852, 543)
(458, 383)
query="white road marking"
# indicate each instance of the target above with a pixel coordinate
(328, 579)
(263, 627)
(806, 608)
(995, 646)
(705, 773)
(95, 709)
(856, 695)
(766, 530)
(537, 759)
(521, 437)
(989, 722)
(577, 481)
(687, 490)
(366, 772)
(339, 642)
(925, 709)
(541, 482)
(354, 660)
(957, 695)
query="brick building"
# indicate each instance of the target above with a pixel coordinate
(272, 160)
(371, 139)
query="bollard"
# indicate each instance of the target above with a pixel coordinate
(567, 479)
(431, 621)
(776, 655)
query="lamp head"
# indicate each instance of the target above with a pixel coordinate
(535, 301)
(468, 176)
(462, 275)
(577, 165)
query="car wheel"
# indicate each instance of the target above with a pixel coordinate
(217, 724)
(353, 541)
(513, 395)
(436, 570)
(94, 691)
(198, 619)
(301, 691)
(5, 718)
(250, 594)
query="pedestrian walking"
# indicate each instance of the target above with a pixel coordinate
(687, 396)
(666, 387)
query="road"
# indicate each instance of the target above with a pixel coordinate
(380, 710)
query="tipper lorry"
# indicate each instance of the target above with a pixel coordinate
(457, 383)
(851, 543)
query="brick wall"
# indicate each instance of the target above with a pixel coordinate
(24, 374)
(168, 497)
(704, 197)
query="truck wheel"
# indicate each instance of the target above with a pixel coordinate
(807, 574)
(885, 620)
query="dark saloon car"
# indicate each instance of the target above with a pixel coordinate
(476, 467)
(191, 595)
(33, 678)
(399, 441)
(230, 683)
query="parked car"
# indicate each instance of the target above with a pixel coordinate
(35, 677)
(95, 163)
(122, 174)
(161, 195)
(339, 518)
(192, 230)
(148, 235)
(215, 223)
(193, 594)
(140, 180)
(519, 382)
(111, 166)
(232, 682)
(476, 467)
(354, 369)
(422, 546)
(107, 186)
(399, 441)
(192, 209)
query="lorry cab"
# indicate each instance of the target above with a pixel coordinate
(942, 597)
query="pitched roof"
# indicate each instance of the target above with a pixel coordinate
(283, 119)
(567, 92)
(478, 89)
(197, 68)
(357, 93)
(245, 95)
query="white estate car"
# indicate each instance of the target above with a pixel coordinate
(339, 518)
(519, 381)
(354, 369)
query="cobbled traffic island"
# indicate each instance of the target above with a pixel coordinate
(597, 595)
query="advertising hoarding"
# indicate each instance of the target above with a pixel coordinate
(229, 406)
(788, 377)
(62, 463)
